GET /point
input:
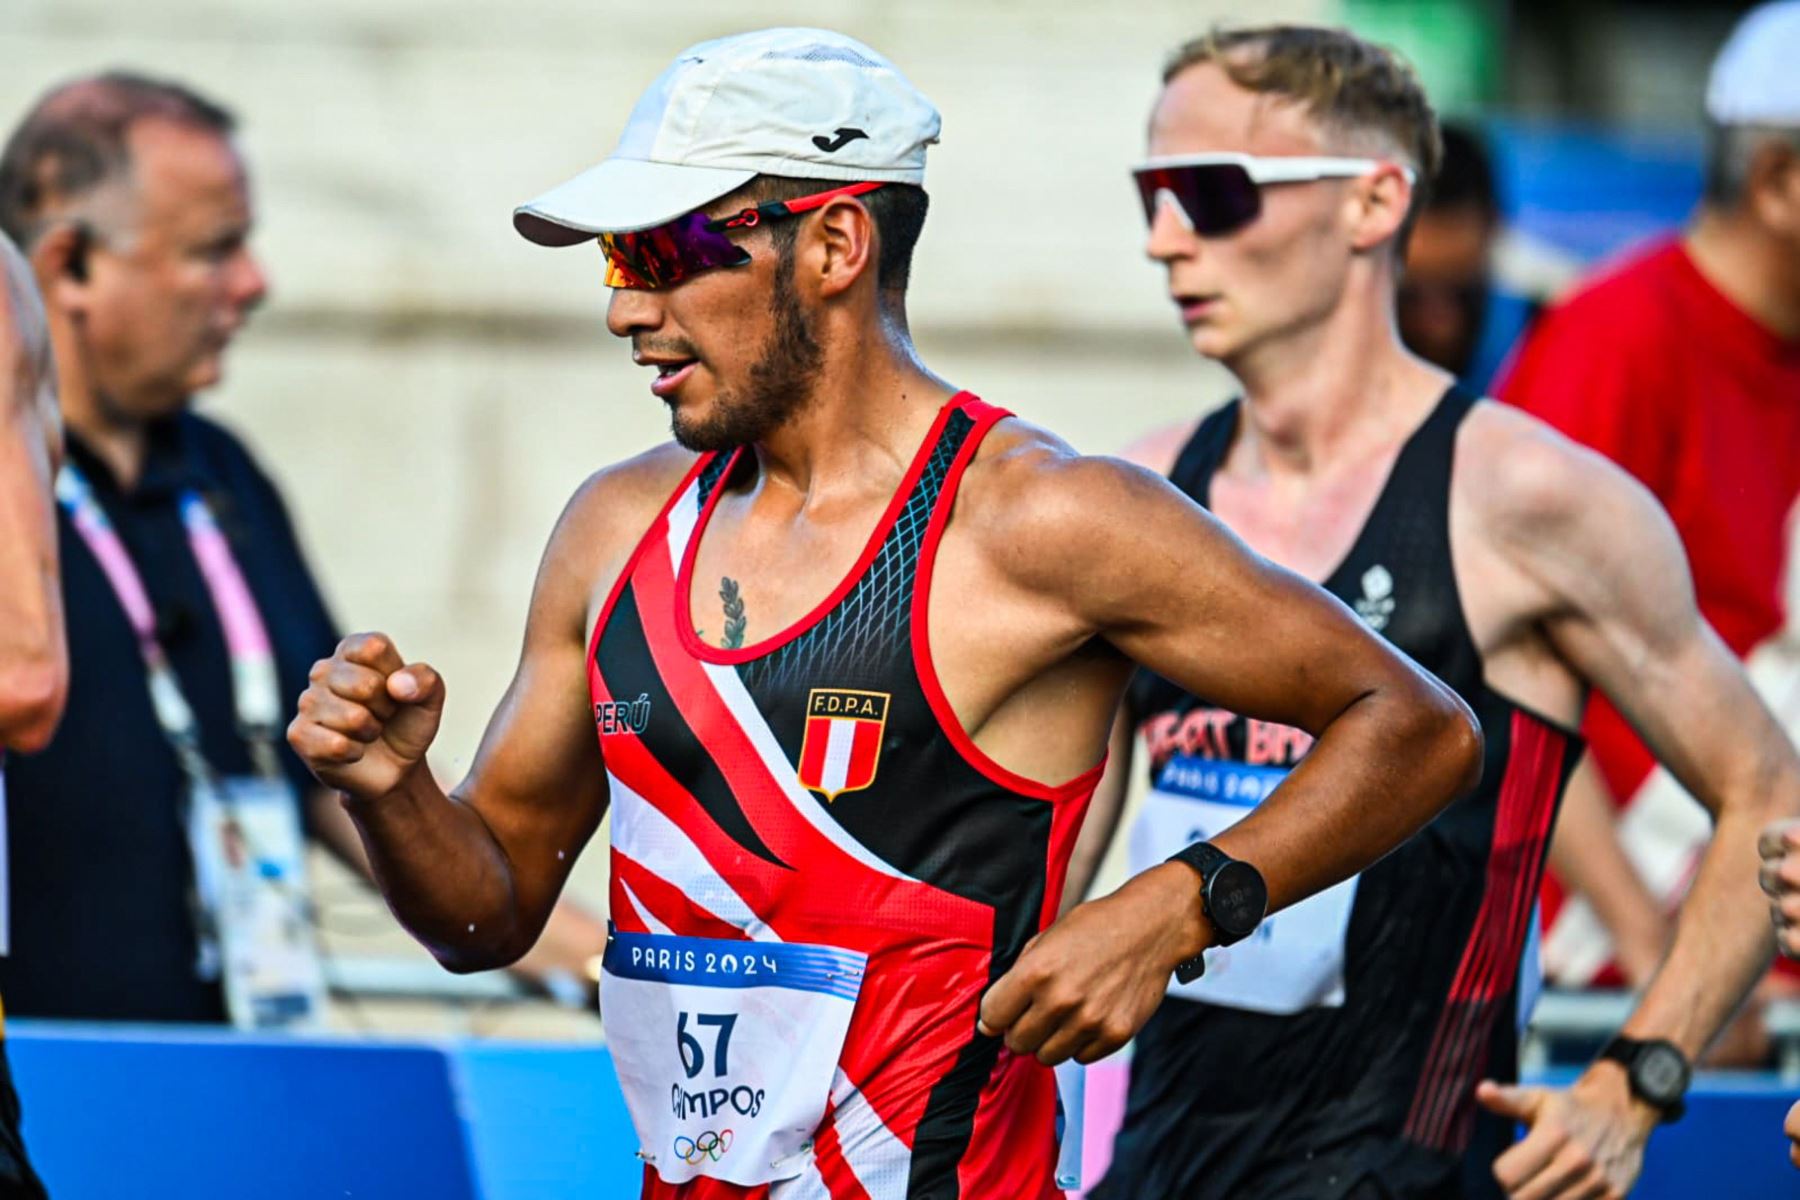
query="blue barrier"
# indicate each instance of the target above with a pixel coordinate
(1729, 1144)
(547, 1122)
(134, 1113)
(141, 1113)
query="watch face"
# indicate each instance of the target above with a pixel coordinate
(1236, 899)
(1661, 1073)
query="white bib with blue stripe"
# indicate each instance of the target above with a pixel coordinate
(726, 1050)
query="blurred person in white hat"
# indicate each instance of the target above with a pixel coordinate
(845, 769)
(1682, 364)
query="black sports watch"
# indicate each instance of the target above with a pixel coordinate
(1232, 895)
(1657, 1070)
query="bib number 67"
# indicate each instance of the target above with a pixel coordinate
(693, 1055)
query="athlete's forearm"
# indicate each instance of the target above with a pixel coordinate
(1378, 773)
(444, 874)
(1723, 939)
(34, 665)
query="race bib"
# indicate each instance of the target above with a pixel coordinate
(1295, 959)
(250, 879)
(726, 1050)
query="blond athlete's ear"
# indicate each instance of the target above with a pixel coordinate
(1383, 198)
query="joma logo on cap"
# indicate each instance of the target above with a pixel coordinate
(831, 145)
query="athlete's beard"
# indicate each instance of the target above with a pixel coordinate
(780, 382)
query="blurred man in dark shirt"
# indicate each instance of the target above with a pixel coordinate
(131, 199)
(1453, 311)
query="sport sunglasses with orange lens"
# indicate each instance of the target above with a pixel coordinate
(1215, 194)
(669, 253)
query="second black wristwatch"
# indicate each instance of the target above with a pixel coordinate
(1657, 1070)
(1232, 895)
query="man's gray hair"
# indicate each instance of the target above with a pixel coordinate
(73, 143)
(1731, 154)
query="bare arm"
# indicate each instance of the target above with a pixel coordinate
(474, 875)
(571, 937)
(1619, 608)
(1394, 746)
(34, 664)
(1626, 619)
(1155, 452)
(1137, 564)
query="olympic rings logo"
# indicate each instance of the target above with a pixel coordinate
(694, 1151)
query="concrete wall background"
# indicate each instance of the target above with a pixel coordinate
(429, 388)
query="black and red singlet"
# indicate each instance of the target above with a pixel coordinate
(816, 788)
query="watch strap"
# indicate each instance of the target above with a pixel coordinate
(1205, 858)
(1627, 1052)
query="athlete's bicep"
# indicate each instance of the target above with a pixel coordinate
(1174, 590)
(1620, 609)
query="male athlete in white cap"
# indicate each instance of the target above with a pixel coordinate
(851, 646)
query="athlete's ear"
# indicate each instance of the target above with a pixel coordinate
(1379, 203)
(844, 242)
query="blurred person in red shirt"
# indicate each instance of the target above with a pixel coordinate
(1682, 364)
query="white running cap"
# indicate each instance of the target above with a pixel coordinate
(1754, 78)
(805, 103)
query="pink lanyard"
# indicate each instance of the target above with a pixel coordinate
(255, 690)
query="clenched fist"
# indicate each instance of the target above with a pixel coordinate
(367, 718)
(1779, 848)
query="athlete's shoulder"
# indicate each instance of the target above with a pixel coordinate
(1038, 505)
(1524, 479)
(1028, 470)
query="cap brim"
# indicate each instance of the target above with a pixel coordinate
(620, 195)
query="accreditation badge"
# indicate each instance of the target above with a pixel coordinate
(250, 879)
(726, 1050)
